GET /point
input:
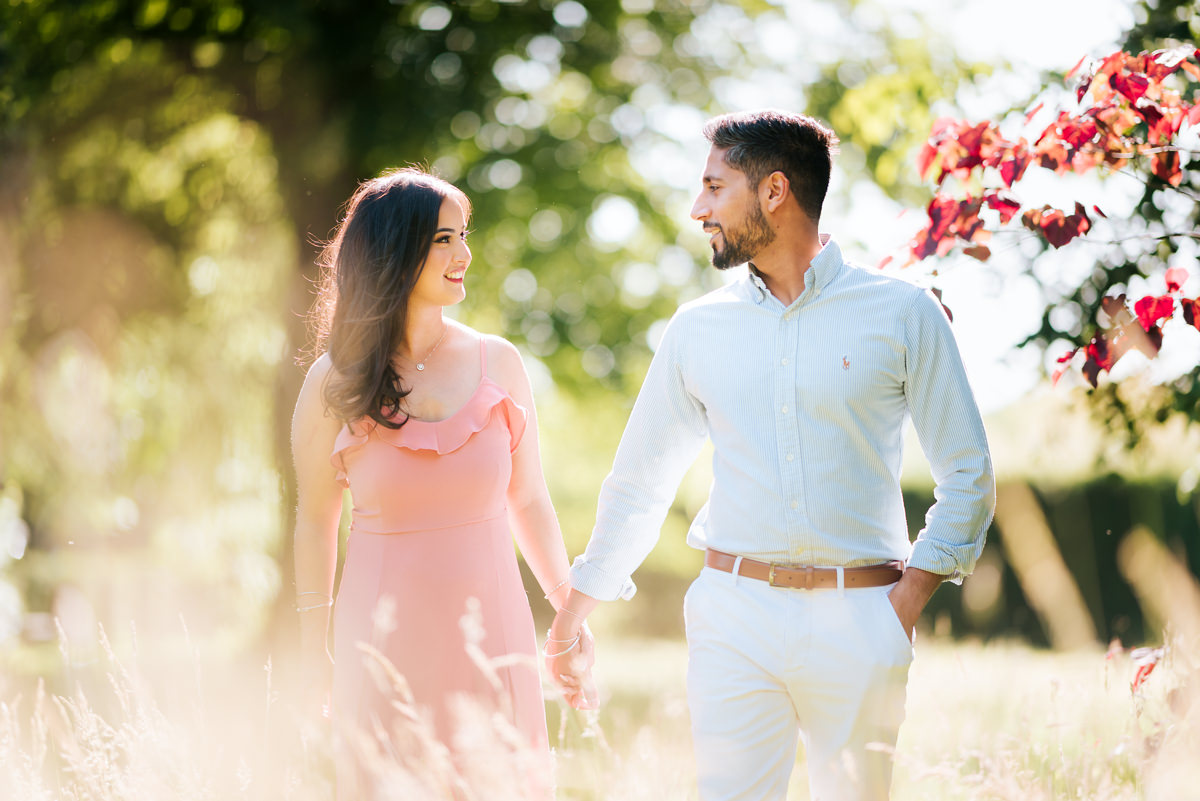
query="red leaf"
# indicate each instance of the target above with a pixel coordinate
(1056, 226)
(1097, 210)
(972, 139)
(1064, 360)
(1164, 130)
(937, 293)
(1132, 86)
(1193, 116)
(1006, 205)
(1140, 675)
(1176, 276)
(1144, 662)
(981, 252)
(1149, 111)
(1150, 310)
(1051, 152)
(1077, 132)
(922, 245)
(1166, 167)
(942, 212)
(1029, 115)
(925, 159)
(1080, 91)
(1098, 349)
(1100, 357)
(967, 224)
(1012, 168)
(1191, 312)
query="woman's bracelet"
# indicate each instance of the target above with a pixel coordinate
(557, 587)
(574, 642)
(569, 612)
(315, 606)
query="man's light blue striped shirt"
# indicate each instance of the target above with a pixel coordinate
(805, 407)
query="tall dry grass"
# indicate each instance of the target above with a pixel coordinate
(986, 722)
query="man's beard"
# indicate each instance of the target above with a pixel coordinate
(743, 244)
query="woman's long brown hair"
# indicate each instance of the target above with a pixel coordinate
(368, 271)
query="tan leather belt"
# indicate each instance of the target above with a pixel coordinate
(806, 578)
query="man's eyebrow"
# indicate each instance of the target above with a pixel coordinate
(708, 179)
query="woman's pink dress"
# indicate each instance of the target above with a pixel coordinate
(429, 533)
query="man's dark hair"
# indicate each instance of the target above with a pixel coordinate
(758, 143)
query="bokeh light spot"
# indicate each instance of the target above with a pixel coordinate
(434, 18)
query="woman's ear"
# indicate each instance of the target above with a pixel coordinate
(774, 190)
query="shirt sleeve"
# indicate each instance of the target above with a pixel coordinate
(952, 436)
(665, 432)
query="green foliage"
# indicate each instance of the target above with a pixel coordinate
(881, 104)
(150, 253)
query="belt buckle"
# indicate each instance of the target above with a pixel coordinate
(771, 576)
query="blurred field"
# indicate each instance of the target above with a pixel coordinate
(999, 721)
(996, 721)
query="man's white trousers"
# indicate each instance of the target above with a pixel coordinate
(768, 664)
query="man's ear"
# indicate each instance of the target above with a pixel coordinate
(774, 190)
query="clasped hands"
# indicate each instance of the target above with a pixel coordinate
(569, 654)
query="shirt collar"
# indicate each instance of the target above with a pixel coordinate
(824, 268)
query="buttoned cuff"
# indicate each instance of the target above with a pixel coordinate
(940, 559)
(591, 580)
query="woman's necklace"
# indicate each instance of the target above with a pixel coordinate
(421, 364)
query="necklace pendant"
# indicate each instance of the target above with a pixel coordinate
(420, 366)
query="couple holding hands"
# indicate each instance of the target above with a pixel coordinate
(801, 373)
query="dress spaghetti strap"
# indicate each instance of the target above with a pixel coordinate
(482, 358)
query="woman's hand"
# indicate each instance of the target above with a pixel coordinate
(570, 652)
(316, 685)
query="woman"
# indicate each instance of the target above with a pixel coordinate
(431, 426)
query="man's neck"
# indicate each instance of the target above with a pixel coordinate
(783, 265)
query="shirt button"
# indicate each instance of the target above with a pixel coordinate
(790, 457)
(784, 410)
(795, 504)
(783, 362)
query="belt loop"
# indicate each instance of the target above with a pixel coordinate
(841, 578)
(737, 563)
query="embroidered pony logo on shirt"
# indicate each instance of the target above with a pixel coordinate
(845, 362)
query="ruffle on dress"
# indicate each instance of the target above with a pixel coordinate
(442, 436)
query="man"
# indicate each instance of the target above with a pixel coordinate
(801, 374)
